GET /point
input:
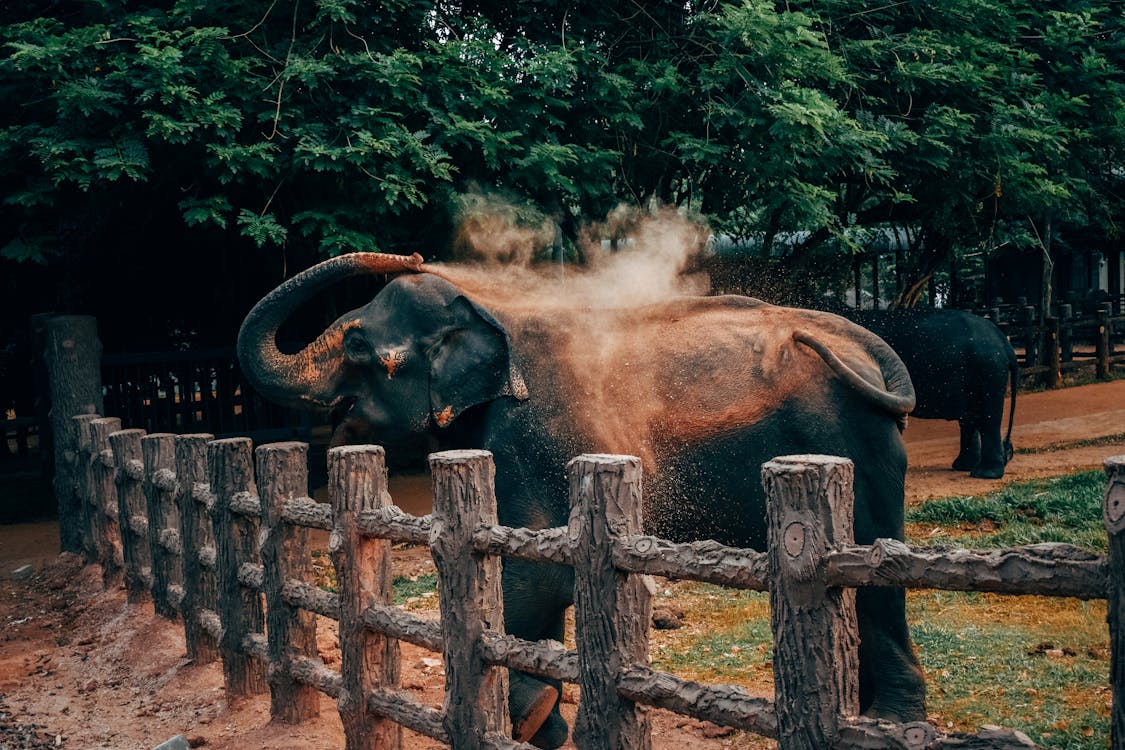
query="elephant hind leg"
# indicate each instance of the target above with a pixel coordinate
(969, 456)
(994, 449)
(993, 456)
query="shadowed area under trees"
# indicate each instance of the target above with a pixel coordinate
(182, 157)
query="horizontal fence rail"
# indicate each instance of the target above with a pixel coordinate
(215, 533)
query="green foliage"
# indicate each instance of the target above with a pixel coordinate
(337, 125)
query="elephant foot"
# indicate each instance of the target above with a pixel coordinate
(987, 472)
(965, 462)
(535, 715)
(896, 715)
(552, 734)
(534, 707)
(901, 706)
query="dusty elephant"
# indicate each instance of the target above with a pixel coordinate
(961, 365)
(704, 390)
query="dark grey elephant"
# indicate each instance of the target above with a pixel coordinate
(704, 390)
(961, 365)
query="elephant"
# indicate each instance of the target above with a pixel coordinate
(703, 389)
(961, 365)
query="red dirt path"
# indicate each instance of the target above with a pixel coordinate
(99, 675)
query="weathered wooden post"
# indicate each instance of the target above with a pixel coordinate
(357, 482)
(231, 472)
(1102, 344)
(612, 610)
(1114, 516)
(200, 587)
(1031, 335)
(103, 490)
(131, 517)
(159, 452)
(83, 483)
(283, 476)
(1052, 354)
(476, 695)
(1066, 332)
(73, 356)
(815, 634)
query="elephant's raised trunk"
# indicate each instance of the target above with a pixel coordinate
(310, 375)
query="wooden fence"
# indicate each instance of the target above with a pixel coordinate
(194, 390)
(1072, 340)
(216, 533)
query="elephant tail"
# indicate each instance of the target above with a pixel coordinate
(1014, 375)
(897, 398)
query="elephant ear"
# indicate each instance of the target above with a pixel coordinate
(471, 363)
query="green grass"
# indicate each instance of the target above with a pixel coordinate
(1064, 509)
(415, 587)
(986, 662)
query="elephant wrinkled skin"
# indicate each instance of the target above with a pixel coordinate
(704, 390)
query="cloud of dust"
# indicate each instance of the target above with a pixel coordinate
(651, 263)
(601, 325)
(495, 231)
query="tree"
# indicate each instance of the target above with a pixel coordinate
(250, 138)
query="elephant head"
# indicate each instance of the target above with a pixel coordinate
(418, 355)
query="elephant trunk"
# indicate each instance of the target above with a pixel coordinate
(309, 376)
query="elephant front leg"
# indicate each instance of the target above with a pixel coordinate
(969, 456)
(891, 684)
(535, 602)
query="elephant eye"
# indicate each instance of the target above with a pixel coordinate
(356, 347)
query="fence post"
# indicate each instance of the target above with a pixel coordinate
(72, 353)
(83, 483)
(1114, 516)
(612, 611)
(815, 633)
(131, 518)
(283, 475)
(1066, 325)
(103, 494)
(231, 474)
(197, 542)
(476, 695)
(1052, 354)
(1031, 335)
(1102, 344)
(159, 453)
(357, 481)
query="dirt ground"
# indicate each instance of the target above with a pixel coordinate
(80, 669)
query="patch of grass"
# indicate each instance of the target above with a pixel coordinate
(726, 637)
(1035, 664)
(408, 588)
(1063, 509)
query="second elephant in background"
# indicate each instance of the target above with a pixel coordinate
(962, 365)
